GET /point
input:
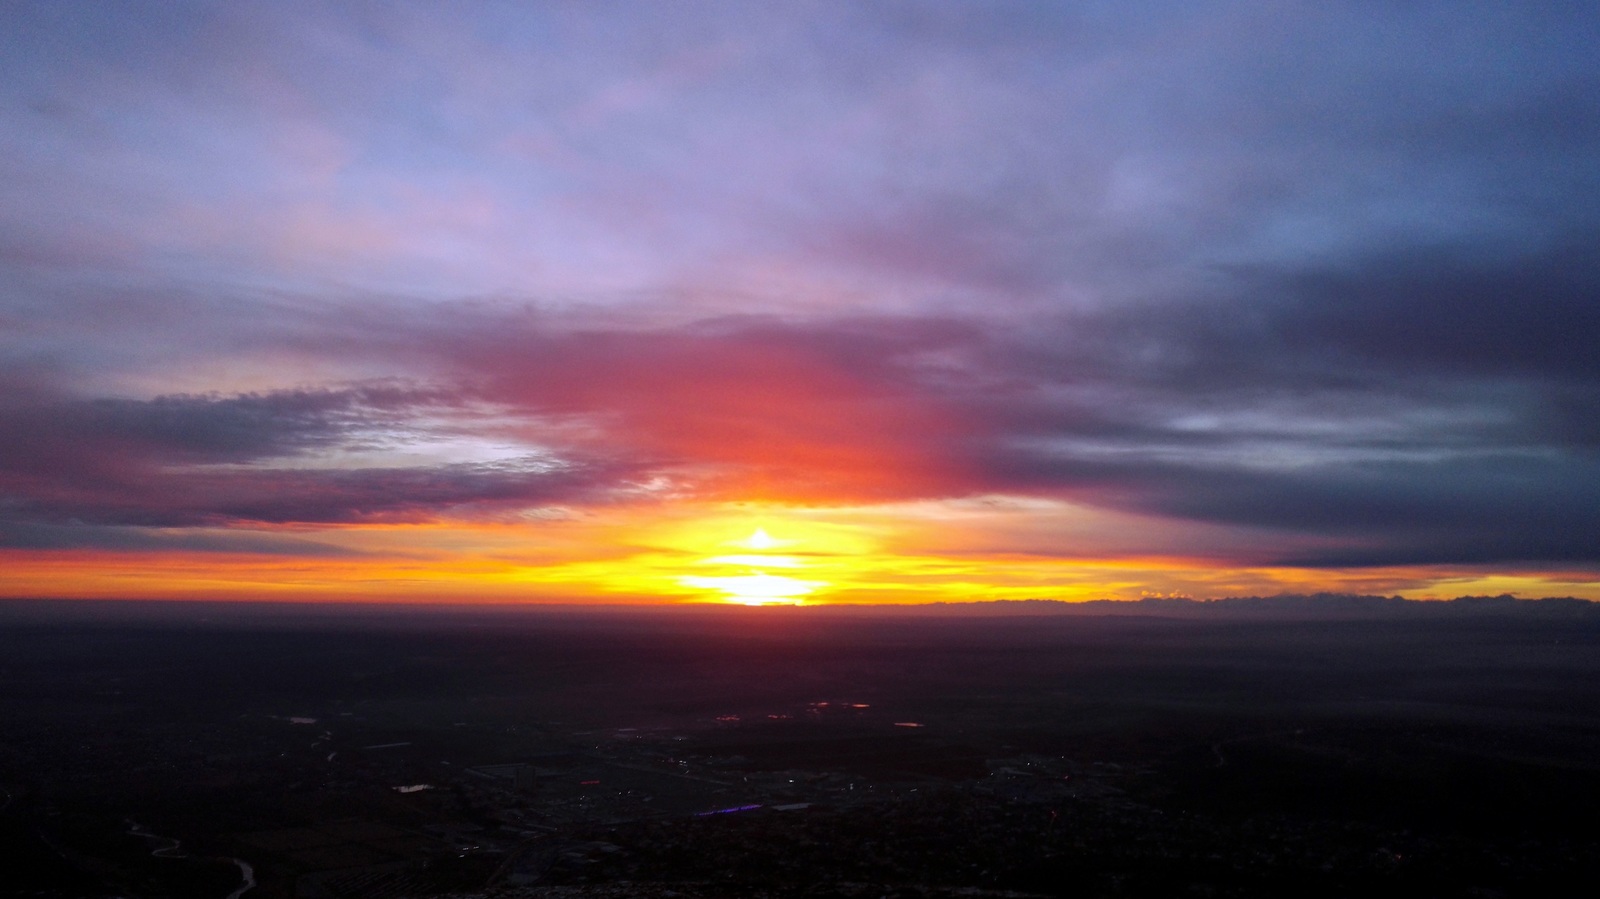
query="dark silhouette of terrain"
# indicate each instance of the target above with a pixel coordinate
(1321, 746)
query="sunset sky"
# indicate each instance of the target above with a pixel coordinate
(829, 302)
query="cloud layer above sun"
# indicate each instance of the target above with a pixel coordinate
(954, 300)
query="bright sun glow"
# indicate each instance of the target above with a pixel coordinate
(752, 585)
(756, 588)
(759, 539)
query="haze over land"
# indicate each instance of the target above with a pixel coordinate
(891, 302)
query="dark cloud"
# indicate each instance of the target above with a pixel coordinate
(83, 438)
(201, 498)
(1473, 510)
(207, 428)
(136, 539)
(1459, 314)
(185, 461)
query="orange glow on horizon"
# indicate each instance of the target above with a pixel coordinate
(747, 582)
(743, 553)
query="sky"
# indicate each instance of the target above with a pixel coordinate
(818, 302)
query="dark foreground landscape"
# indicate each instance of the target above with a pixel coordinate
(210, 751)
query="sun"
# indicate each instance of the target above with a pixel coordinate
(757, 588)
(759, 539)
(747, 581)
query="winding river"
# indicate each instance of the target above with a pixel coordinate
(171, 848)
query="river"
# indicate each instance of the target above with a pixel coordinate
(171, 848)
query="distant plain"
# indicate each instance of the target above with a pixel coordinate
(1446, 753)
